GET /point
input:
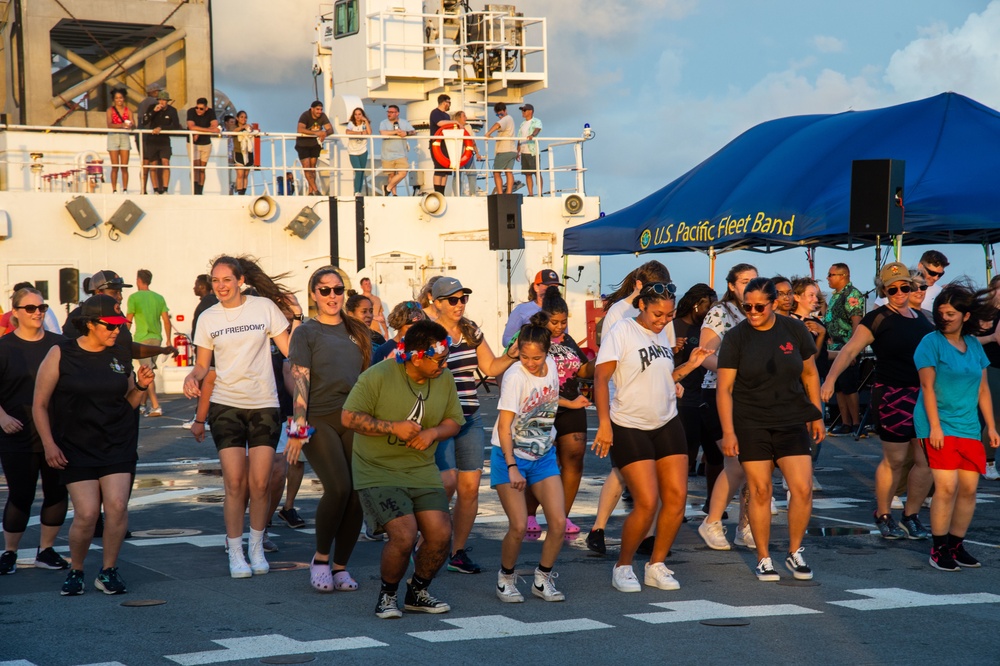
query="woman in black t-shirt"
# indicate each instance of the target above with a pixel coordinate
(91, 435)
(992, 349)
(893, 331)
(21, 352)
(769, 406)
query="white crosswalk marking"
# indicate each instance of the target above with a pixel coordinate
(269, 645)
(693, 611)
(895, 597)
(498, 626)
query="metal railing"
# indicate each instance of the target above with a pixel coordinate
(77, 166)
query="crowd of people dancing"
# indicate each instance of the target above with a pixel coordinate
(393, 430)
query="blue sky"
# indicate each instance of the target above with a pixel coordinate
(666, 83)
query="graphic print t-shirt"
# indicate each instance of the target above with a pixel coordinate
(645, 397)
(241, 339)
(534, 401)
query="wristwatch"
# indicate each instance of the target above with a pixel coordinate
(297, 317)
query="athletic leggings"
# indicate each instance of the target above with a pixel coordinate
(22, 471)
(338, 515)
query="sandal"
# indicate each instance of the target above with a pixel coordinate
(320, 576)
(343, 582)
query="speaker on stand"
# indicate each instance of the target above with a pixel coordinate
(877, 201)
(69, 287)
(504, 211)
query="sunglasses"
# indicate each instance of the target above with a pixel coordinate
(936, 274)
(922, 287)
(455, 300)
(892, 291)
(439, 360)
(754, 307)
(31, 309)
(660, 288)
(109, 326)
(325, 291)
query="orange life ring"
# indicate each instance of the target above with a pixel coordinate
(443, 158)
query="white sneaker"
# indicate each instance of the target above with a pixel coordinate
(258, 563)
(897, 503)
(744, 537)
(991, 472)
(238, 567)
(507, 588)
(816, 485)
(544, 587)
(714, 535)
(774, 508)
(658, 575)
(623, 579)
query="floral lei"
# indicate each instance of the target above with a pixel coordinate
(440, 347)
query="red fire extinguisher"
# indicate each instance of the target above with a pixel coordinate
(183, 347)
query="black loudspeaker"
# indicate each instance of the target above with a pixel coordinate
(505, 221)
(877, 197)
(69, 285)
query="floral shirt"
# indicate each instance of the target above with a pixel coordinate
(846, 303)
(721, 318)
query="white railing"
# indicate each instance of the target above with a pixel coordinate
(70, 160)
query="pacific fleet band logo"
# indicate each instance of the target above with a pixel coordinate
(727, 228)
(644, 239)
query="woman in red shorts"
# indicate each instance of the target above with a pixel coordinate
(952, 367)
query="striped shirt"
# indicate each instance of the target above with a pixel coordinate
(462, 362)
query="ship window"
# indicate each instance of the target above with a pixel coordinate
(345, 13)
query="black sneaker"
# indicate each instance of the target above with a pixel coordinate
(914, 528)
(421, 601)
(963, 559)
(595, 542)
(73, 586)
(462, 563)
(49, 559)
(942, 560)
(292, 518)
(109, 582)
(888, 527)
(387, 607)
(797, 565)
(8, 562)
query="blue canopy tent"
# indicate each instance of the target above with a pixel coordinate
(786, 183)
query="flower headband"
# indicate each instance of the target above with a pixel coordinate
(440, 347)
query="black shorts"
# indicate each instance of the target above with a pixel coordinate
(847, 382)
(711, 422)
(155, 152)
(244, 428)
(446, 166)
(309, 152)
(75, 474)
(570, 421)
(243, 159)
(773, 443)
(632, 445)
(696, 429)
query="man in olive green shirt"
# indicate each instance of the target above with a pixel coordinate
(147, 311)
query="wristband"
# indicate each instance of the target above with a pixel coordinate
(199, 422)
(141, 388)
(511, 465)
(299, 432)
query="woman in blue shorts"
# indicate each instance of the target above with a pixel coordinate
(952, 367)
(524, 457)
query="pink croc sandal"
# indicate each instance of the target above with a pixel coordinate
(343, 582)
(320, 576)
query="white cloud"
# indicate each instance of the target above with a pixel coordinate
(247, 52)
(828, 44)
(964, 60)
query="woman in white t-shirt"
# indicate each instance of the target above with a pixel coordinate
(524, 457)
(243, 413)
(721, 318)
(618, 306)
(357, 149)
(642, 432)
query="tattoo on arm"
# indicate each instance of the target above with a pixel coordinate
(300, 394)
(367, 424)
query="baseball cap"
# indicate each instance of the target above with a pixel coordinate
(526, 107)
(163, 95)
(102, 307)
(894, 272)
(547, 276)
(447, 286)
(107, 280)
